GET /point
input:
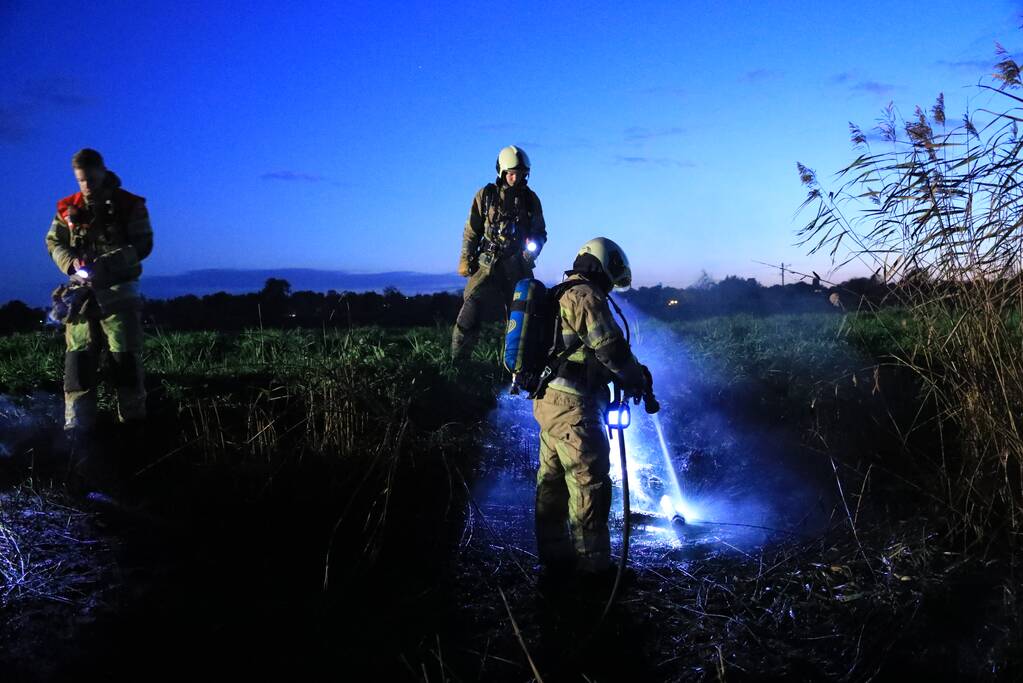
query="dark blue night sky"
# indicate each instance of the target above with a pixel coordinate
(352, 137)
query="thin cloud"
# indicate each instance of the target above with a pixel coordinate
(637, 133)
(985, 65)
(857, 84)
(294, 176)
(759, 75)
(663, 162)
(21, 112)
(874, 87)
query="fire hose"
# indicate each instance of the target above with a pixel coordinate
(618, 418)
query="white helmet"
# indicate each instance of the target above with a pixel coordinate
(512, 157)
(612, 259)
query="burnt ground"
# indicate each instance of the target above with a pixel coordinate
(174, 567)
(770, 583)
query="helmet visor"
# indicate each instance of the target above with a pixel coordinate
(618, 269)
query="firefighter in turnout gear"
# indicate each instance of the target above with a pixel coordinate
(573, 488)
(98, 239)
(503, 237)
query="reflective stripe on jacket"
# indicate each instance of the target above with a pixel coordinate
(604, 355)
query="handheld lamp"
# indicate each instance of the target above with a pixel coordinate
(618, 415)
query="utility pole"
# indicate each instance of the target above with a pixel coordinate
(783, 273)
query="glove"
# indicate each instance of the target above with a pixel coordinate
(650, 403)
(638, 390)
(633, 392)
(468, 267)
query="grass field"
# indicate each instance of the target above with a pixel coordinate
(808, 347)
(341, 460)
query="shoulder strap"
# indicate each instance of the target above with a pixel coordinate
(628, 333)
(489, 199)
(555, 359)
(558, 290)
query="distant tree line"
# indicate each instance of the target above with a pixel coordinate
(707, 298)
(276, 306)
(16, 316)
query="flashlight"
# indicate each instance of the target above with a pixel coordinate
(531, 246)
(83, 273)
(618, 415)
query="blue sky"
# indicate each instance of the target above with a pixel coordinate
(354, 136)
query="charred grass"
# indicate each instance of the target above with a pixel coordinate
(292, 489)
(885, 590)
(304, 498)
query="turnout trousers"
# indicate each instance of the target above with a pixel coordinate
(121, 333)
(573, 488)
(490, 288)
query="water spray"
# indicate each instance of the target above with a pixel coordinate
(677, 506)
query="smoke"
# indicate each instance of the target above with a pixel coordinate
(716, 465)
(720, 470)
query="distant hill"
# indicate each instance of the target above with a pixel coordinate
(210, 281)
(200, 282)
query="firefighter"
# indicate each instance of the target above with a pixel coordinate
(98, 238)
(503, 237)
(573, 488)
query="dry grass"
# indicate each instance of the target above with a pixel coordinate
(50, 552)
(835, 608)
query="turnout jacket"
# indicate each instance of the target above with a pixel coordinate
(505, 217)
(115, 230)
(604, 356)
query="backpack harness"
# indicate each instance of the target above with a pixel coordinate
(503, 232)
(533, 350)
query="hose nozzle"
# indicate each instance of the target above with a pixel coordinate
(649, 400)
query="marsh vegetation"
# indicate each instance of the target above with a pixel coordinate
(326, 480)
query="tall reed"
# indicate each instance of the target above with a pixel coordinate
(935, 209)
